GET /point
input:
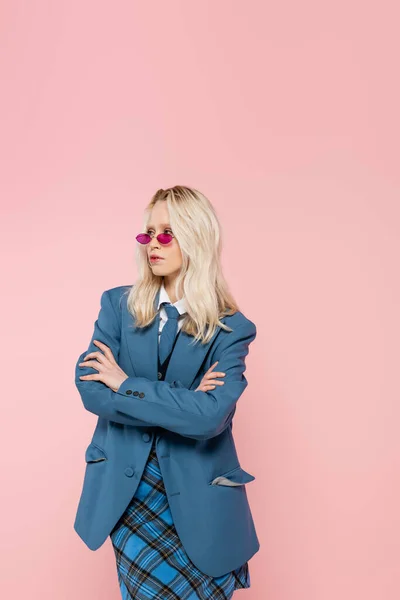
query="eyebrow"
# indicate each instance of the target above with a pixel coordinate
(161, 224)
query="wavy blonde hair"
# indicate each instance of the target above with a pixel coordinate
(197, 230)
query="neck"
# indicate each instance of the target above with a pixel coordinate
(169, 284)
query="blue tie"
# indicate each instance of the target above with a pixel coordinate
(168, 332)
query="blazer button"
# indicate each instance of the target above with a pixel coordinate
(135, 393)
(141, 395)
(128, 392)
(159, 375)
(146, 437)
(128, 472)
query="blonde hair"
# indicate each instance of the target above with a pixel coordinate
(197, 230)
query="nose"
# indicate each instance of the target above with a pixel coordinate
(154, 245)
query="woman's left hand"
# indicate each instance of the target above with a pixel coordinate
(109, 372)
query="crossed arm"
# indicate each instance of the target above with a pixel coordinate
(198, 415)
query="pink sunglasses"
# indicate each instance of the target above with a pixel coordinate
(163, 238)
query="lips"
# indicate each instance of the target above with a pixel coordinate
(153, 256)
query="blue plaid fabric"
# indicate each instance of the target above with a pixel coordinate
(151, 561)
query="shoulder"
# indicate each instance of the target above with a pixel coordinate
(242, 328)
(116, 295)
(238, 320)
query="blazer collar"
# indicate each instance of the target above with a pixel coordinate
(186, 358)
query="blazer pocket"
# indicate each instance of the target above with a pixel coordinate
(94, 454)
(237, 476)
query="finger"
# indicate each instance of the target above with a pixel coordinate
(100, 358)
(212, 383)
(105, 360)
(211, 368)
(216, 374)
(93, 355)
(91, 363)
(96, 377)
(107, 351)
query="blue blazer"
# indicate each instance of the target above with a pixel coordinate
(203, 478)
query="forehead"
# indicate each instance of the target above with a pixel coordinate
(160, 225)
(159, 215)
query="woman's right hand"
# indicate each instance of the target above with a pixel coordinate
(208, 382)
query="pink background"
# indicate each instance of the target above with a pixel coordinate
(286, 115)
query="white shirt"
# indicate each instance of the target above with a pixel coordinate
(179, 305)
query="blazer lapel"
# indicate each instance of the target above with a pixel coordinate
(186, 358)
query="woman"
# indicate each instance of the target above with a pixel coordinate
(163, 478)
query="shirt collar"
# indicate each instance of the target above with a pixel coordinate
(180, 304)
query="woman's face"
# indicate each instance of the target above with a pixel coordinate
(171, 255)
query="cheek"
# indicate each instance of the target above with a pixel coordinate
(176, 254)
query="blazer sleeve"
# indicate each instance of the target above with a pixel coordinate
(96, 396)
(198, 415)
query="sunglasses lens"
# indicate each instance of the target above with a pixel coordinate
(143, 238)
(164, 238)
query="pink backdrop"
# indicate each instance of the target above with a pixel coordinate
(286, 115)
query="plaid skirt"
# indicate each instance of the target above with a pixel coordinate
(151, 561)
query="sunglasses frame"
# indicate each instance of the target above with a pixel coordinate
(160, 235)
